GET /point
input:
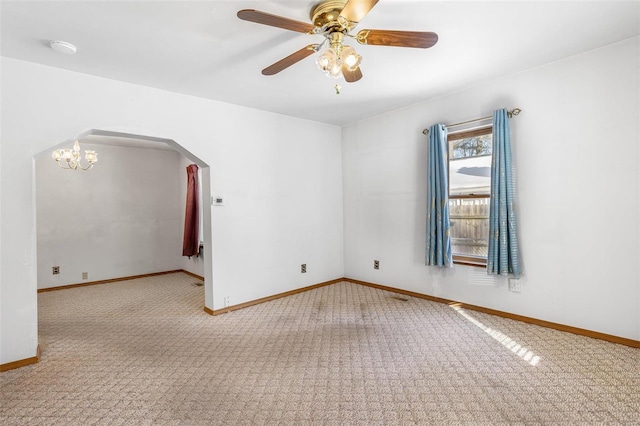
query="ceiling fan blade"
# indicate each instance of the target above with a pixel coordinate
(397, 38)
(355, 10)
(351, 76)
(290, 60)
(274, 21)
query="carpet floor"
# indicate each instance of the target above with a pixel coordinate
(143, 352)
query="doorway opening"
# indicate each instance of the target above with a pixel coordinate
(122, 218)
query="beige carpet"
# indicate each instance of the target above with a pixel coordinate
(143, 352)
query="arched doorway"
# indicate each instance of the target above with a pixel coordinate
(95, 197)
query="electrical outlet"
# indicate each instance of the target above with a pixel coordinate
(303, 268)
(376, 264)
(514, 285)
(227, 301)
(85, 275)
(55, 270)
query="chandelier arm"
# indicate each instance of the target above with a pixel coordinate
(61, 165)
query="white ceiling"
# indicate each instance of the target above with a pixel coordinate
(201, 48)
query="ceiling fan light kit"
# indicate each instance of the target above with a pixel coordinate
(338, 56)
(334, 20)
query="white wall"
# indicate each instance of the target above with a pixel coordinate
(281, 175)
(119, 219)
(576, 156)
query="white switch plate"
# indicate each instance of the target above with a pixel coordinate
(217, 200)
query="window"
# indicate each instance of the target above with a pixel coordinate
(469, 194)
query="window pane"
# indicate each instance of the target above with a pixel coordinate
(469, 191)
(474, 146)
(470, 166)
(470, 176)
(469, 226)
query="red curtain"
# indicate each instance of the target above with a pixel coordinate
(191, 242)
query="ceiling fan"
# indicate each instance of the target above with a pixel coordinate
(334, 20)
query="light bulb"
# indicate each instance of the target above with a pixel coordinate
(327, 59)
(91, 156)
(56, 154)
(350, 58)
(335, 71)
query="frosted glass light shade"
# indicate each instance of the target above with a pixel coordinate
(327, 60)
(335, 71)
(91, 156)
(350, 58)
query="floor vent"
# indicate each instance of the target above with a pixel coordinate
(198, 284)
(402, 299)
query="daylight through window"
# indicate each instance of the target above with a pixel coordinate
(469, 194)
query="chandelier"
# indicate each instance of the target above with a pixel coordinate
(337, 56)
(70, 159)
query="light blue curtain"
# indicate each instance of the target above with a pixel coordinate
(438, 250)
(503, 257)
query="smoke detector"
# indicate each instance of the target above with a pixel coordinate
(63, 47)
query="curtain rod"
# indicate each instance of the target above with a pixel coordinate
(510, 114)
